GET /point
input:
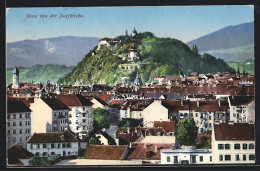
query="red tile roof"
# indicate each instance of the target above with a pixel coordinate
(168, 126)
(116, 103)
(200, 137)
(139, 151)
(106, 152)
(210, 106)
(27, 102)
(105, 97)
(236, 131)
(53, 137)
(74, 100)
(176, 104)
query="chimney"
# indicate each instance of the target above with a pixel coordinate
(145, 146)
(128, 130)
(198, 103)
(181, 103)
(155, 148)
(219, 103)
(130, 144)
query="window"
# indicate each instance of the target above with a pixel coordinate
(52, 153)
(14, 131)
(210, 158)
(220, 146)
(237, 157)
(37, 154)
(14, 123)
(236, 146)
(83, 108)
(244, 157)
(227, 157)
(168, 159)
(63, 145)
(58, 145)
(20, 131)
(68, 145)
(44, 146)
(84, 127)
(244, 146)
(234, 115)
(8, 132)
(31, 146)
(209, 124)
(14, 116)
(21, 139)
(44, 153)
(70, 115)
(175, 159)
(83, 120)
(227, 146)
(220, 157)
(251, 146)
(8, 124)
(20, 123)
(38, 145)
(8, 116)
(209, 117)
(251, 157)
(201, 158)
(196, 114)
(52, 145)
(83, 114)
(20, 115)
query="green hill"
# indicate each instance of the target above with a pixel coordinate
(39, 73)
(157, 56)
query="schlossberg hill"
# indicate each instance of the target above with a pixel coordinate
(157, 56)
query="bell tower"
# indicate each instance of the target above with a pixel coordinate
(15, 78)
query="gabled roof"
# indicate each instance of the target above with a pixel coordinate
(53, 137)
(240, 100)
(17, 106)
(106, 152)
(157, 95)
(210, 106)
(176, 104)
(27, 102)
(116, 103)
(105, 97)
(111, 141)
(140, 150)
(55, 104)
(168, 126)
(74, 100)
(236, 131)
(101, 101)
(136, 105)
(15, 153)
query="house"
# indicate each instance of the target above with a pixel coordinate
(233, 143)
(18, 156)
(186, 156)
(114, 107)
(106, 97)
(106, 152)
(80, 114)
(53, 145)
(242, 109)
(205, 113)
(147, 152)
(106, 42)
(168, 126)
(18, 123)
(160, 95)
(105, 138)
(49, 115)
(97, 102)
(159, 79)
(155, 112)
(134, 108)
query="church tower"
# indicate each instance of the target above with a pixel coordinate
(137, 82)
(15, 78)
(134, 33)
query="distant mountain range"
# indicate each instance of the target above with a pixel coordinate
(232, 43)
(66, 50)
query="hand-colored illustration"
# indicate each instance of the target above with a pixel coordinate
(164, 85)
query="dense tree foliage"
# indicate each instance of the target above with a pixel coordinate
(158, 56)
(205, 143)
(93, 140)
(187, 132)
(128, 122)
(101, 118)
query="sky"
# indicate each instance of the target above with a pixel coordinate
(185, 23)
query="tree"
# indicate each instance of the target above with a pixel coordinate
(195, 49)
(187, 132)
(93, 141)
(128, 122)
(101, 118)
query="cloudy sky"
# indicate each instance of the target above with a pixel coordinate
(181, 22)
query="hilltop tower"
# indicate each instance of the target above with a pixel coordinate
(134, 33)
(15, 78)
(132, 53)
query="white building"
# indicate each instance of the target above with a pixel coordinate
(80, 114)
(53, 144)
(18, 123)
(242, 109)
(49, 115)
(16, 78)
(97, 102)
(186, 156)
(233, 143)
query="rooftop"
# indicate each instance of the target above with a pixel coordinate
(106, 152)
(53, 137)
(74, 100)
(235, 131)
(55, 104)
(168, 126)
(17, 106)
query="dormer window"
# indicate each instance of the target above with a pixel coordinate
(62, 137)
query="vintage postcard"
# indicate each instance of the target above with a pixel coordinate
(139, 86)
